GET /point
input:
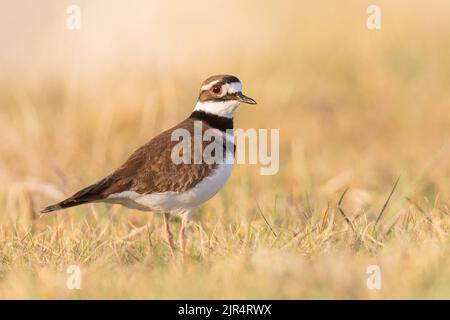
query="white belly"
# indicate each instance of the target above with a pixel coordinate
(177, 201)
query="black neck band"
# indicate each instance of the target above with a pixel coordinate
(215, 121)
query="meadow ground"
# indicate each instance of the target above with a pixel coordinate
(356, 110)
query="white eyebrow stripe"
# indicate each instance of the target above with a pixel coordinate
(209, 85)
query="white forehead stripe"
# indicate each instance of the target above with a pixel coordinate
(234, 87)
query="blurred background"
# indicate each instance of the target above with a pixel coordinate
(355, 107)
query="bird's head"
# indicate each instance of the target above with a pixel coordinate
(221, 95)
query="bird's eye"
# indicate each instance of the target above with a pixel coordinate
(216, 89)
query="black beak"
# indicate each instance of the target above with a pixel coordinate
(243, 98)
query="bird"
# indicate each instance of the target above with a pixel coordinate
(150, 179)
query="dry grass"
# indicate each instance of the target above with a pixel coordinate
(356, 109)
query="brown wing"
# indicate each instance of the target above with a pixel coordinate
(149, 169)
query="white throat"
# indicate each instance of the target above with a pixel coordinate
(219, 108)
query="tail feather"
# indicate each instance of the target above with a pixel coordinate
(63, 205)
(89, 194)
(51, 208)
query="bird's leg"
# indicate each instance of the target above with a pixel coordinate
(182, 236)
(169, 236)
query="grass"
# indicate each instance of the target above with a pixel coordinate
(356, 109)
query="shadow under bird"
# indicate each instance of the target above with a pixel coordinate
(151, 181)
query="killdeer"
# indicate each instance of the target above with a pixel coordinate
(151, 181)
